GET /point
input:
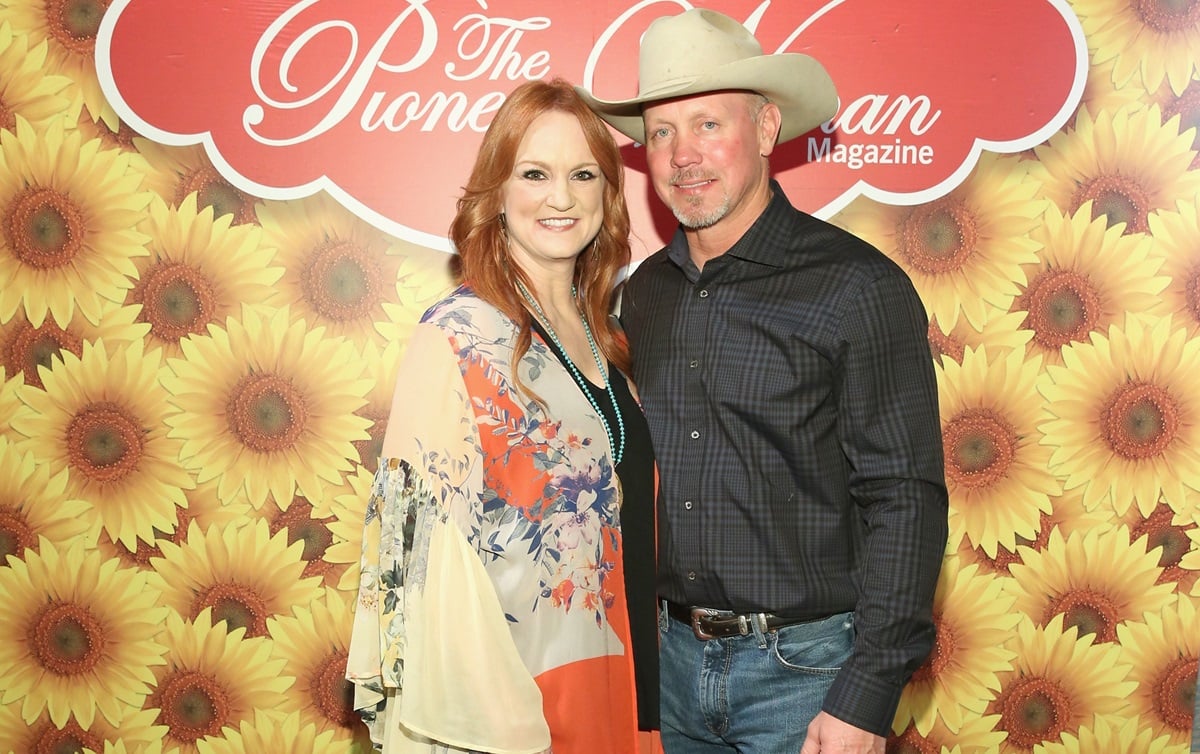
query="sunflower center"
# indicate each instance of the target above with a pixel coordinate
(44, 228)
(1090, 611)
(341, 281)
(1063, 306)
(1117, 198)
(177, 300)
(944, 647)
(938, 238)
(75, 23)
(980, 448)
(214, 191)
(1191, 292)
(70, 739)
(266, 412)
(104, 442)
(911, 742)
(15, 534)
(332, 694)
(1175, 694)
(1160, 531)
(1168, 16)
(944, 344)
(239, 606)
(66, 639)
(192, 705)
(1033, 710)
(32, 347)
(1140, 421)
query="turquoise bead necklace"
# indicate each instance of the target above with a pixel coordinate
(618, 448)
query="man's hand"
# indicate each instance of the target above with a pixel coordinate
(829, 735)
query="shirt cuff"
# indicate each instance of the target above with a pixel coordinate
(863, 700)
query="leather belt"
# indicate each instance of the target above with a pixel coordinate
(708, 623)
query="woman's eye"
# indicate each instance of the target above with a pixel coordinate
(585, 175)
(533, 175)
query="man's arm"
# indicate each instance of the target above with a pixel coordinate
(891, 433)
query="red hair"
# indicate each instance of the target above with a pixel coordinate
(477, 229)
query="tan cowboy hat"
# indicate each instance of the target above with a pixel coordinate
(701, 51)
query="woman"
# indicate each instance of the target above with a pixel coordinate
(493, 612)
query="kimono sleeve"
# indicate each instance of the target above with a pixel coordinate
(431, 653)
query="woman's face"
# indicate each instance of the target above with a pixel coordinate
(554, 200)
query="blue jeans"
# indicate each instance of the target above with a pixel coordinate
(753, 694)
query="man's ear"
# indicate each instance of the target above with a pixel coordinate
(769, 122)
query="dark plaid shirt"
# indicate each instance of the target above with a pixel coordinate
(792, 405)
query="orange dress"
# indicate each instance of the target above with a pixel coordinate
(491, 613)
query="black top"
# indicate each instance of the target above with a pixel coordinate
(636, 474)
(792, 401)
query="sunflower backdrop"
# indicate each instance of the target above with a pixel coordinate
(194, 384)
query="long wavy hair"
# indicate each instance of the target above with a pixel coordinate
(478, 233)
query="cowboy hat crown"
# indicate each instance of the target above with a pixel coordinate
(701, 51)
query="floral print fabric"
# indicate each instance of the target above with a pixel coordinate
(491, 612)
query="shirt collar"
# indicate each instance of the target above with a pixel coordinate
(747, 247)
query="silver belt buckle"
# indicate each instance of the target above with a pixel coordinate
(697, 614)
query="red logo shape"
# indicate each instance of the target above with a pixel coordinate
(383, 103)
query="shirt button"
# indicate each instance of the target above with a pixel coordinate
(687, 506)
(695, 434)
(693, 364)
(691, 575)
(704, 294)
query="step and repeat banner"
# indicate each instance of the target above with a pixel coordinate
(220, 221)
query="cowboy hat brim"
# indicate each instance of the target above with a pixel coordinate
(797, 84)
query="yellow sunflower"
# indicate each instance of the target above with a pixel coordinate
(200, 271)
(301, 523)
(1163, 651)
(1096, 580)
(349, 511)
(25, 348)
(1169, 535)
(238, 571)
(314, 643)
(286, 735)
(11, 405)
(203, 506)
(1086, 279)
(1000, 332)
(1187, 107)
(1100, 93)
(1159, 40)
(1127, 162)
(973, 617)
(67, 216)
(339, 270)
(101, 417)
(381, 367)
(1058, 683)
(1175, 236)
(267, 405)
(120, 747)
(995, 469)
(42, 735)
(1067, 513)
(964, 252)
(70, 30)
(175, 173)
(978, 735)
(81, 635)
(34, 505)
(214, 679)
(424, 278)
(1112, 736)
(26, 88)
(1124, 422)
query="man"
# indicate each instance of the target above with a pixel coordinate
(792, 405)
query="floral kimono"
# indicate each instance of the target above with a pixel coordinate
(491, 610)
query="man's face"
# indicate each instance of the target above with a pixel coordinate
(706, 154)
